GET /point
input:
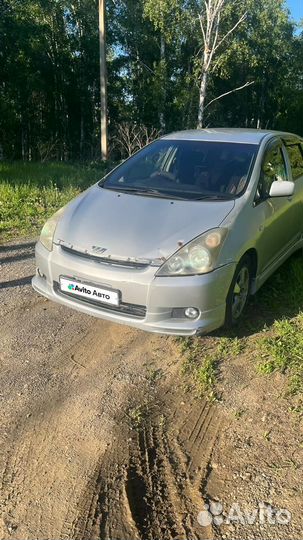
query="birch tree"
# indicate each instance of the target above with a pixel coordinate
(213, 40)
(167, 17)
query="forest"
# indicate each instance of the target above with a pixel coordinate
(171, 64)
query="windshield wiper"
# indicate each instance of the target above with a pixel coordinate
(159, 194)
(129, 189)
(213, 198)
(143, 191)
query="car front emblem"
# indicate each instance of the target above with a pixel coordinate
(99, 250)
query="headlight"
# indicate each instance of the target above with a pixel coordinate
(48, 231)
(197, 257)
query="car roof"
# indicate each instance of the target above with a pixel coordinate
(233, 135)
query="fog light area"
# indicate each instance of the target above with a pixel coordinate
(191, 313)
(185, 313)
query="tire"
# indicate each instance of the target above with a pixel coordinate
(238, 293)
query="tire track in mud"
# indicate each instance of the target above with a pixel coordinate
(56, 438)
(48, 448)
(151, 488)
(72, 463)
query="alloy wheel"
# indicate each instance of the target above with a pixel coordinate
(240, 292)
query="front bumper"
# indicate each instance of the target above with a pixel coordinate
(159, 296)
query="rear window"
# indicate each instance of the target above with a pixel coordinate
(186, 169)
(295, 153)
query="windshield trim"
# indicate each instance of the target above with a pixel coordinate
(147, 193)
(142, 193)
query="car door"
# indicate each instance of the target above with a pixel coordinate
(277, 217)
(294, 148)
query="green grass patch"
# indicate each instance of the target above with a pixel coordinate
(271, 333)
(202, 363)
(282, 351)
(31, 192)
(230, 346)
(206, 376)
(281, 347)
(137, 416)
(61, 175)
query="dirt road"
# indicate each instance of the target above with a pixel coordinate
(99, 438)
(74, 393)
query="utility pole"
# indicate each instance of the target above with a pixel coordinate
(103, 81)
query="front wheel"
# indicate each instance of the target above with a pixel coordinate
(238, 293)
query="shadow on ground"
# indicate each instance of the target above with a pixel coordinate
(15, 247)
(17, 257)
(16, 282)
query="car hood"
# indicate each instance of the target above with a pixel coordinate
(126, 226)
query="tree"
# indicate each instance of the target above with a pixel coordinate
(167, 18)
(211, 20)
(166, 61)
(103, 80)
(262, 51)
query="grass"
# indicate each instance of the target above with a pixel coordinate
(202, 363)
(154, 375)
(271, 335)
(206, 375)
(137, 416)
(31, 192)
(282, 350)
(281, 345)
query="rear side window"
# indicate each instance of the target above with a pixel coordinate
(295, 153)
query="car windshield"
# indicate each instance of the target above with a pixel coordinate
(186, 170)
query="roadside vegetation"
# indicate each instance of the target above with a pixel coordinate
(270, 338)
(172, 64)
(202, 359)
(31, 192)
(282, 351)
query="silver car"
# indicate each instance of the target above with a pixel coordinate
(176, 238)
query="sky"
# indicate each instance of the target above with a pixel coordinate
(296, 8)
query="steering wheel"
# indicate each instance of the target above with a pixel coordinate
(167, 175)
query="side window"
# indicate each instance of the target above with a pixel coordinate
(295, 153)
(273, 168)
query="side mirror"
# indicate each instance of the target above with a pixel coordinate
(282, 189)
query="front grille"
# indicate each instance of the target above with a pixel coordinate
(133, 310)
(104, 260)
